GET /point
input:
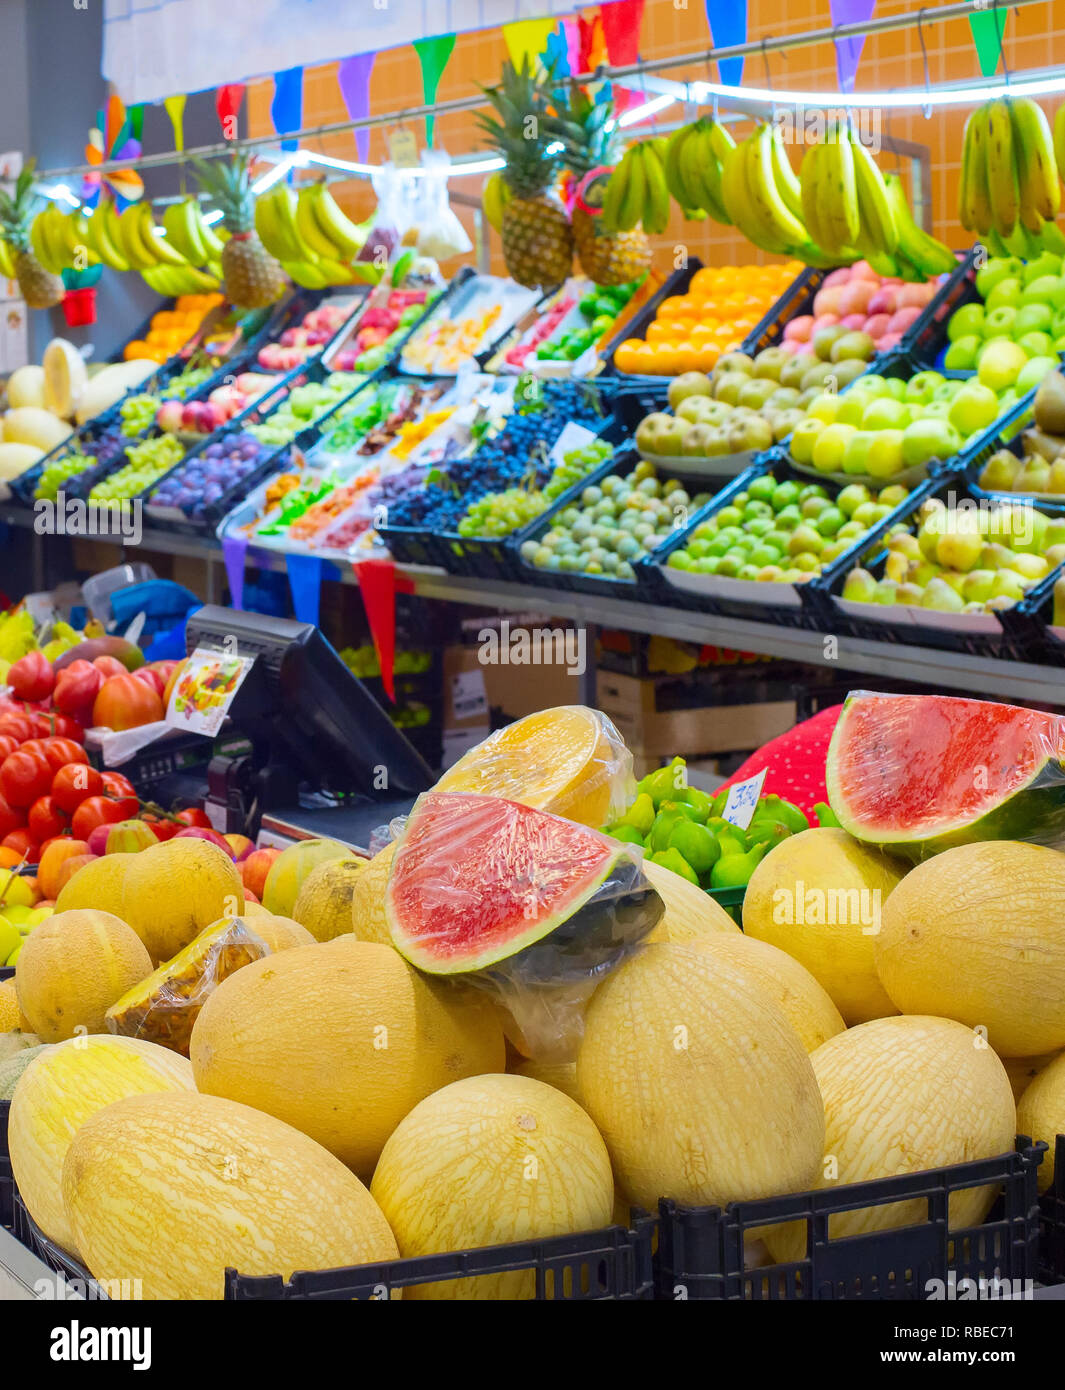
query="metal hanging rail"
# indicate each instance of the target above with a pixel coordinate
(939, 14)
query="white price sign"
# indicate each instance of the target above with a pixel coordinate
(743, 800)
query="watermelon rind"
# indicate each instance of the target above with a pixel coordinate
(583, 934)
(1034, 810)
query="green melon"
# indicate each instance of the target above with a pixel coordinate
(293, 866)
(13, 1067)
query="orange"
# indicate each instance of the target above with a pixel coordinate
(626, 357)
(670, 308)
(706, 358)
(659, 331)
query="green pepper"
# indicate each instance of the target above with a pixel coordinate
(627, 834)
(673, 859)
(697, 845)
(776, 808)
(735, 870)
(767, 832)
(640, 815)
(826, 815)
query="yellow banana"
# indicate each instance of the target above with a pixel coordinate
(1002, 184)
(100, 235)
(809, 176)
(492, 201)
(335, 225)
(1059, 137)
(632, 209)
(213, 242)
(164, 252)
(930, 256)
(784, 177)
(837, 195)
(1037, 170)
(705, 167)
(310, 232)
(780, 225)
(721, 142)
(613, 197)
(978, 193)
(689, 199)
(182, 232)
(735, 195)
(7, 263)
(266, 226)
(877, 226)
(129, 241)
(656, 213)
(284, 206)
(305, 274)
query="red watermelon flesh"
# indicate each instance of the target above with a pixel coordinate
(476, 880)
(916, 774)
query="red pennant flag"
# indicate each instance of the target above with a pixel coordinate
(227, 101)
(379, 584)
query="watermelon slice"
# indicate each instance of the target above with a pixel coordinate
(916, 774)
(477, 881)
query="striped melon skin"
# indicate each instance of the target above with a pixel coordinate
(690, 913)
(341, 1039)
(697, 1082)
(904, 1094)
(62, 1089)
(978, 934)
(488, 1161)
(1041, 1114)
(792, 988)
(170, 1190)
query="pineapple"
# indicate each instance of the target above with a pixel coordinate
(40, 288)
(581, 126)
(253, 278)
(537, 239)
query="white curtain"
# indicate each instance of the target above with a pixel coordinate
(158, 48)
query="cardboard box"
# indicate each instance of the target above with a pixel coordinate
(473, 689)
(653, 733)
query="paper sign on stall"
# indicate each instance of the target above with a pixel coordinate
(743, 800)
(202, 696)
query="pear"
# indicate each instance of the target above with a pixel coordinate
(928, 536)
(896, 566)
(922, 573)
(905, 543)
(1055, 555)
(860, 587)
(1037, 441)
(1059, 603)
(1034, 475)
(973, 607)
(1031, 566)
(1050, 404)
(997, 604)
(940, 596)
(977, 586)
(885, 591)
(995, 557)
(1008, 584)
(999, 471)
(1056, 481)
(1055, 532)
(909, 594)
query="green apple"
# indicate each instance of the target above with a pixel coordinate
(896, 386)
(868, 514)
(829, 521)
(856, 454)
(1033, 318)
(686, 385)
(921, 387)
(785, 493)
(884, 459)
(824, 407)
(974, 408)
(804, 438)
(995, 269)
(1046, 263)
(961, 355)
(1007, 291)
(948, 390)
(966, 322)
(1033, 372)
(1000, 365)
(873, 384)
(805, 539)
(1036, 344)
(852, 497)
(1047, 289)
(812, 507)
(830, 447)
(929, 439)
(885, 413)
(852, 408)
(999, 322)
(934, 410)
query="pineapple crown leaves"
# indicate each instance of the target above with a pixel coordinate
(581, 123)
(519, 134)
(17, 211)
(229, 184)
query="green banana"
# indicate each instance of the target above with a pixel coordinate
(675, 181)
(632, 209)
(837, 195)
(929, 256)
(655, 217)
(784, 176)
(613, 197)
(708, 167)
(878, 228)
(1037, 170)
(809, 175)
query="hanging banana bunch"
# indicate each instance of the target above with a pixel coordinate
(1009, 192)
(637, 192)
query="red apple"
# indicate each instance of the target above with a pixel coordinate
(196, 832)
(240, 845)
(254, 869)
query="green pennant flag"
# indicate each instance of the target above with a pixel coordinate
(988, 27)
(433, 54)
(136, 120)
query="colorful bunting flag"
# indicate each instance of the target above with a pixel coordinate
(353, 77)
(433, 54)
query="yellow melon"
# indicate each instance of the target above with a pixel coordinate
(690, 913)
(819, 895)
(977, 933)
(256, 910)
(167, 893)
(561, 1075)
(789, 985)
(293, 866)
(1041, 1114)
(341, 1040)
(901, 1095)
(11, 1016)
(569, 760)
(488, 1161)
(171, 1190)
(1022, 1071)
(324, 902)
(368, 898)
(72, 967)
(279, 933)
(697, 1082)
(58, 1092)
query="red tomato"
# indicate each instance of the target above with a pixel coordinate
(65, 727)
(16, 726)
(96, 810)
(76, 688)
(24, 777)
(152, 679)
(60, 751)
(75, 783)
(126, 703)
(32, 677)
(194, 816)
(42, 722)
(22, 842)
(109, 666)
(163, 829)
(34, 746)
(46, 819)
(117, 785)
(11, 817)
(7, 745)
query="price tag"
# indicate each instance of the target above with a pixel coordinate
(468, 696)
(403, 149)
(572, 437)
(202, 696)
(743, 800)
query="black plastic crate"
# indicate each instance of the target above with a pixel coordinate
(926, 338)
(1031, 623)
(797, 299)
(991, 443)
(26, 1230)
(1052, 1221)
(677, 283)
(7, 972)
(700, 1249)
(7, 1182)
(612, 1264)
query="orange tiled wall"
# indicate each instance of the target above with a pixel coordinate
(1035, 38)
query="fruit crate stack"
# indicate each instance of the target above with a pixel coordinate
(1052, 1220)
(797, 299)
(676, 284)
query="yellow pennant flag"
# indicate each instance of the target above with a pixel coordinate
(527, 37)
(175, 109)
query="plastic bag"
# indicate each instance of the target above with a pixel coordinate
(440, 233)
(396, 197)
(531, 908)
(916, 774)
(569, 760)
(163, 1008)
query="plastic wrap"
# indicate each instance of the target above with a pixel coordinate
(917, 774)
(396, 195)
(531, 908)
(569, 760)
(163, 1008)
(440, 233)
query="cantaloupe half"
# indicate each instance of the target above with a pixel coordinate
(58, 1092)
(488, 1161)
(172, 1190)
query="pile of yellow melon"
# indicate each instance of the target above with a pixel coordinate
(284, 1079)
